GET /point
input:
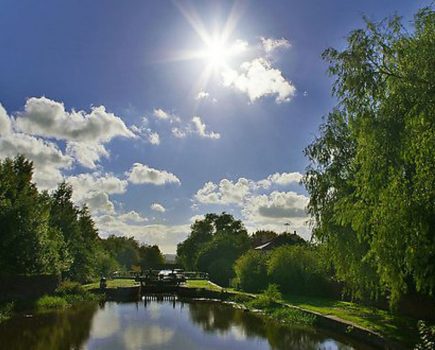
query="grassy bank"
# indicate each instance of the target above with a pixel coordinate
(391, 326)
(116, 283)
(66, 295)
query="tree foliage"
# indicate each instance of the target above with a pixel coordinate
(213, 246)
(371, 177)
(43, 233)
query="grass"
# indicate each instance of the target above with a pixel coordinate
(400, 328)
(116, 283)
(51, 302)
(202, 284)
(392, 326)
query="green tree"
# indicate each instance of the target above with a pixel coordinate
(251, 271)
(125, 250)
(213, 245)
(29, 245)
(298, 269)
(150, 257)
(371, 177)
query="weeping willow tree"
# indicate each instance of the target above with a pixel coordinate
(371, 177)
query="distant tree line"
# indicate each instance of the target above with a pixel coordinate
(46, 233)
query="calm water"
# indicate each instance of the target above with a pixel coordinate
(161, 325)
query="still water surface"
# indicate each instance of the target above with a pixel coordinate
(161, 325)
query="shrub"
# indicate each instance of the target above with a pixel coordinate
(251, 271)
(267, 299)
(73, 292)
(49, 302)
(298, 270)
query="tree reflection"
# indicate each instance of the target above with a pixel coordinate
(62, 330)
(213, 317)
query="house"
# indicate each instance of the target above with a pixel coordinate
(280, 240)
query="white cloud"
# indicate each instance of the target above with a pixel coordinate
(257, 79)
(179, 133)
(202, 95)
(260, 210)
(94, 190)
(5, 122)
(225, 193)
(270, 44)
(276, 205)
(87, 154)
(48, 118)
(47, 158)
(132, 217)
(281, 179)
(163, 115)
(158, 207)
(150, 136)
(143, 174)
(85, 133)
(228, 191)
(200, 129)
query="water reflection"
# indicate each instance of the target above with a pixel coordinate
(160, 325)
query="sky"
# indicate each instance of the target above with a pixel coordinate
(158, 112)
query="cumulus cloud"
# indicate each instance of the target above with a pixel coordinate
(87, 154)
(158, 207)
(228, 191)
(132, 217)
(179, 133)
(258, 78)
(276, 205)
(271, 44)
(225, 192)
(147, 134)
(163, 115)
(197, 127)
(48, 159)
(200, 129)
(281, 179)
(94, 190)
(84, 133)
(260, 207)
(48, 118)
(5, 122)
(143, 174)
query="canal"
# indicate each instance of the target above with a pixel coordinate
(162, 325)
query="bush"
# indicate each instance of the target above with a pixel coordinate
(73, 292)
(298, 270)
(49, 302)
(251, 271)
(267, 299)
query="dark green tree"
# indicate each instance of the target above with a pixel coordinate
(213, 245)
(371, 177)
(251, 271)
(29, 244)
(150, 257)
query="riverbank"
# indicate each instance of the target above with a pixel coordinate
(394, 328)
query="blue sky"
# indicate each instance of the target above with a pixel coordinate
(158, 112)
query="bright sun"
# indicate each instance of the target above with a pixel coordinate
(217, 53)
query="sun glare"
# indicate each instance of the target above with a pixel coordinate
(216, 53)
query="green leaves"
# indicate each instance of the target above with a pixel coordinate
(371, 176)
